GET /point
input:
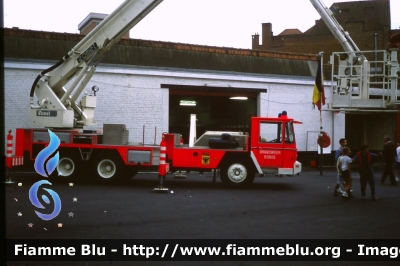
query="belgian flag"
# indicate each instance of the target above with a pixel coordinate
(319, 95)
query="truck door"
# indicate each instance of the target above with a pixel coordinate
(289, 148)
(269, 147)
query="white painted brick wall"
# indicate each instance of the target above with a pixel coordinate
(296, 100)
(125, 100)
(133, 96)
(17, 84)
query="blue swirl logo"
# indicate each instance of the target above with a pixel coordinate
(51, 165)
(35, 201)
(45, 153)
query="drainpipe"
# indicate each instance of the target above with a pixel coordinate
(376, 53)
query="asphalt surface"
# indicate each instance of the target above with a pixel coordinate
(288, 207)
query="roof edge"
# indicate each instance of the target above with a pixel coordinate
(165, 45)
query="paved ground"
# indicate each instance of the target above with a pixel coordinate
(297, 207)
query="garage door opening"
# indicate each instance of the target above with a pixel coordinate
(215, 110)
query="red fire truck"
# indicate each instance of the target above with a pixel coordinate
(108, 154)
(270, 147)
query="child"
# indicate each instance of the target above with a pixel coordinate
(338, 153)
(339, 178)
(364, 159)
(345, 167)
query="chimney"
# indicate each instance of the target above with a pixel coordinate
(266, 35)
(255, 42)
(91, 21)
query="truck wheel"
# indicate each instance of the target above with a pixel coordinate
(108, 169)
(66, 169)
(237, 174)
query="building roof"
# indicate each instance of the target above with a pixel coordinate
(363, 12)
(290, 32)
(39, 45)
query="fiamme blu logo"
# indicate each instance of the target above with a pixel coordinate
(45, 166)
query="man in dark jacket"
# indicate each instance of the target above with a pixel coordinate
(365, 166)
(389, 154)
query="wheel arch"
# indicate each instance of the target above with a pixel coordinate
(104, 153)
(242, 157)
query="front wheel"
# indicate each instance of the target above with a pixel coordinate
(237, 174)
(67, 167)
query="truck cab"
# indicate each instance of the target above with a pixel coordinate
(273, 145)
(270, 147)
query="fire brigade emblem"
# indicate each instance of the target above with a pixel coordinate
(205, 159)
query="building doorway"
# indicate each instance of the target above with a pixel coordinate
(216, 110)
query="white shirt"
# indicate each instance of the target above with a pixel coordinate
(345, 160)
(398, 154)
(337, 163)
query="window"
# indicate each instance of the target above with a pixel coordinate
(289, 136)
(270, 132)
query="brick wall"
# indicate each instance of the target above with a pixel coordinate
(361, 19)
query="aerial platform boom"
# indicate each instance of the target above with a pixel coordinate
(354, 76)
(56, 105)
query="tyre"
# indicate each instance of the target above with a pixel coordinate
(67, 167)
(108, 168)
(237, 174)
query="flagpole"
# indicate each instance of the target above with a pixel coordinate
(321, 56)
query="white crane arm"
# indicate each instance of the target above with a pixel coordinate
(340, 34)
(81, 62)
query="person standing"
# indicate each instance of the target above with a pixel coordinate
(345, 166)
(389, 154)
(364, 160)
(398, 160)
(338, 153)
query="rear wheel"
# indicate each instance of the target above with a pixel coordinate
(108, 168)
(237, 174)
